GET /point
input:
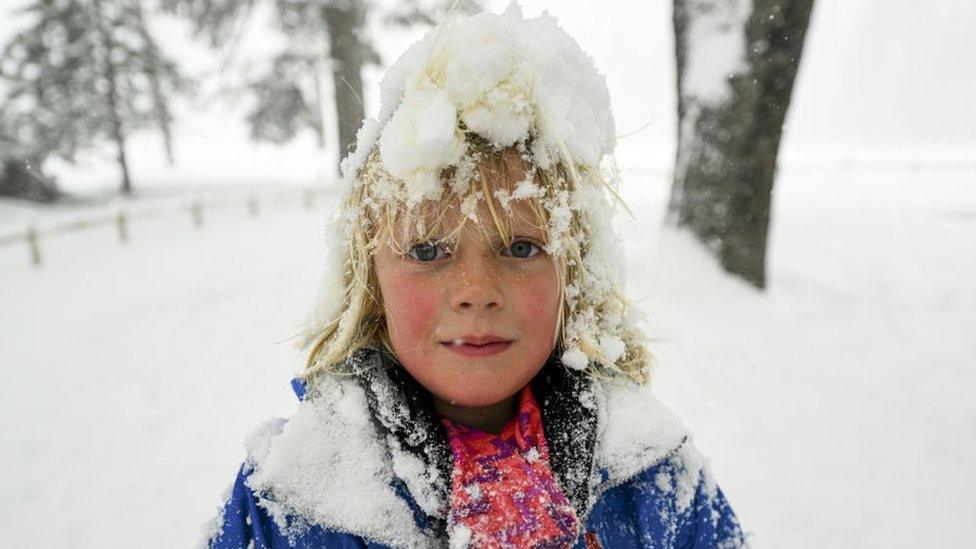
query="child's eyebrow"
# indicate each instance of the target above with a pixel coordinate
(522, 225)
(526, 229)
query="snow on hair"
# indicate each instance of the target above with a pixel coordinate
(593, 329)
(459, 120)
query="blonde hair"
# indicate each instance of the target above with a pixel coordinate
(372, 219)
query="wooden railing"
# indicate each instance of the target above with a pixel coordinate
(196, 209)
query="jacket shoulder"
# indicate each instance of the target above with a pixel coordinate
(321, 472)
(245, 523)
(635, 431)
(673, 503)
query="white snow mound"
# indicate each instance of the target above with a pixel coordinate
(503, 77)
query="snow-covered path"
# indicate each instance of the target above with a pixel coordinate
(835, 407)
(131, 374)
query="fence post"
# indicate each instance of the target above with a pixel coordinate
(309, 199)
(123, 226)
(252, 205)
(34, 245)
(196, 209)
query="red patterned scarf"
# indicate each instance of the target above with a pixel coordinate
(503, 493)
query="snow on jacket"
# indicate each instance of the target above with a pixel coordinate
(364, 462)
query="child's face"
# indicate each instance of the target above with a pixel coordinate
(474, 323)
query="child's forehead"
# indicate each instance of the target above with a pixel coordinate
(487, 202)
(447, 217)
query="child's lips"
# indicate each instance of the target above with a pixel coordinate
(478, 347)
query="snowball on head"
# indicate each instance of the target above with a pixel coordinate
(420, 139)
(507, 79)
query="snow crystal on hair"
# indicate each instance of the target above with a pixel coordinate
(473, 91)
(508, 79)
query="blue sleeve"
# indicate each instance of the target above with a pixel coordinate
(713, 523)
(243, 521)
(667, 505)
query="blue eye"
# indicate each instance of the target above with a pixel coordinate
(427, 251)
(522, 249)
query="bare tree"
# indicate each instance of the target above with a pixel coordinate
(82, 71)
(737, 61)
(337, 30)
(350, 54)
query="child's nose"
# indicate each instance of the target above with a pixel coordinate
(476, 287)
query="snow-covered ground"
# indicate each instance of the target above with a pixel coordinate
(835, 407)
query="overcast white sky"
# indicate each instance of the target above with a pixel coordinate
(890, 72)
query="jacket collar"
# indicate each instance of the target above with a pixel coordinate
(375, 433)
(326, 466)
(418, 445)
(404, 415)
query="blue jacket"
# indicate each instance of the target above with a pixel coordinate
(353, 468)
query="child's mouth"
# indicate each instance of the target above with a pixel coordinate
(477, 349)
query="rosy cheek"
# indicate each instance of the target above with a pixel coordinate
(410, 304)
(539, 300)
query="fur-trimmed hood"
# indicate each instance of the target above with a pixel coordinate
(365, 454)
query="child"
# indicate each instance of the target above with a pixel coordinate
(474, 380)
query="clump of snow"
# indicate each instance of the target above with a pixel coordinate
(474, 491)
(663, 481)
(214, 527)
(420, 140)
(366, 138)
(489, 80)
(637, 433)
(460, 537)
(689, 476)
(636, 430)
(422, 476)
(560, 219)
(469, 207)
(571, 291)
(527, 189)
(612, 347)
(575, 358)
(422, 481)
(258, 442)
(504, 198)
(508, 79)
(330, 292)
(716, 49)
(327, 466)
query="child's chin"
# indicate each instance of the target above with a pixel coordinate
(478, 398)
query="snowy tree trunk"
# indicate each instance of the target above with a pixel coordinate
(118, 135)
(345, 21)
(319, 111)
(153, 72)
(736, 60)
(163, 118)
(113, 103)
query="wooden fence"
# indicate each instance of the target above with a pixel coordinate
(253, 201)
(195, 209)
